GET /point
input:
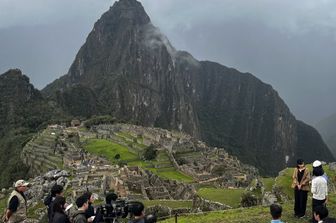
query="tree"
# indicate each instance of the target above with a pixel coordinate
(150, 152)
(117, 156)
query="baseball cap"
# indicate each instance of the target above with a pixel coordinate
(21, 183)
(317, 163)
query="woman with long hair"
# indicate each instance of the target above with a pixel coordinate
(300, 184)
(59, 215)
(319, 187)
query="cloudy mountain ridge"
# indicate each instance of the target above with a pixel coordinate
(128, 69)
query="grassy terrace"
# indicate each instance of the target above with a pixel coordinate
(253, 215)
(258, 213)
(268, 183)
(171, 173)
(285, 180)
(169, 203)
(109, 149)
(229, 197)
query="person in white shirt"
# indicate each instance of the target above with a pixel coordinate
(319, 187)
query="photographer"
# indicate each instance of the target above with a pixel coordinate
(115, 208)
(137, 210)
(103, 211)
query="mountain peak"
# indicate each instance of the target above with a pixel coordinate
(12, 72)
(127, 68)
(127, 10)
(15, 74)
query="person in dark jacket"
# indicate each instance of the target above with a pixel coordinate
(137, 210)
(82, 203)
(300, 184)
(90, 211)
(58, 213)
(56, 190)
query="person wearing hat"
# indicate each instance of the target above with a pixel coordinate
(300, 184)
(319, 187)
(17, 204)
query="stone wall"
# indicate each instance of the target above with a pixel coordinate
(206, 205)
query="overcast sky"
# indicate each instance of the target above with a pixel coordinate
(288, 44)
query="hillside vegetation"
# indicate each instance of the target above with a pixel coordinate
(282, 183)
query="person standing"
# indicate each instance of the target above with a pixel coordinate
(58, 213)
(300, 184)
(319, 187)
(17, 204)
(90, 211)
(82, 203)
(137, 210)
(56, 190)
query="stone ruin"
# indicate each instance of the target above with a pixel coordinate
(190, 156)
(58, 146)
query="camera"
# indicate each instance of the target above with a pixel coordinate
(111, 212)
(118, 208)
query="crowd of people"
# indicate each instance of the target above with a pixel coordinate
(57, 208)
(302, 182)
(317, 183)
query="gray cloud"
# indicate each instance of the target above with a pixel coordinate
(289, 44)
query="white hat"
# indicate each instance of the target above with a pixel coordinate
(21, 183)
(317, 163)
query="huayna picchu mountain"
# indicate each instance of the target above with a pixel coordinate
(129, 70)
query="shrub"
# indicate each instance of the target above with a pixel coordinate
(248, 200)
(150, 152)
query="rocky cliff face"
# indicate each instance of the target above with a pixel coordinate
(19, 101)
(22, 111)
(128, 69)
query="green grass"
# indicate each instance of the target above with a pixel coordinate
(126, 135)
(109, 149)
(268, 183)
(31, 213)
(129, 139)
(257, 214)
(3, 204)
(172, 173)
(229, 197)
(169, 203)
(285, 180)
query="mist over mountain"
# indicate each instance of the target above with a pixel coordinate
(327, 128)
(128, 69)
(287, 44)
